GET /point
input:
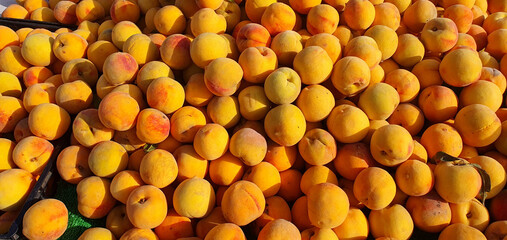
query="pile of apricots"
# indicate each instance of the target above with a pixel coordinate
(289, 119)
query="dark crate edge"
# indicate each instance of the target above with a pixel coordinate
(38, 191)
(16, 24)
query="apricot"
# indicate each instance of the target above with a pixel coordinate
(343, 132)
(146, 207)
(222, 76)
(158, 168)
(461, 231)
(408, 116)
(194, 198)
(317, 147)
(175, 51)
(141, 48)
(98, 204)
(286, 45)
(206, 20)
(359, 14)
(495, 76)
(232, 13)
(225, 231)
(72, 164)
(174, 226)
(282, 157)
(124, 10)
(410, 50)
(122, 31)
(120, 68)
(438, 103)
(120, 117)
(257, 63)
(427, 72)
(37, 50)
(185, 123)
(355, 225)
(211, 141)
(97, 232)
(279, 228)
(393, 221)
(375, 188)
(450, 189)
(12, 111)
(206, 224)
(387, 14)
(282, 86)
(115, 154)
(473, 94)
(249, 146)
(322, 18)
(124, 183)
(351, 159)
(496, 230)
(316, 175)
(282, 131)
(334, 215)
(463, 72)
(45, 219)
(306, 62)
(351, 75)
(199, 48)
(12, 61)
(278, 17)
(253, 103)
(9, 85)
(136, 233)
(242, 203)
(6, 147)
(391, 145)
(493, 47)
(34, 75)
(15, 11)
(190, 164)
(379, 101)
(478, 125)
(494, 170)
(88, 130)
(276, 208)
(117, 221)
(252, 35)
(80, 69)
(417, 14)
(15, 186)
(471, 213)
(442, 137)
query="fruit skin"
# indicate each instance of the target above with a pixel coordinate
(225, 231)
(96, 233)
(107, 158)
(118, 111)
(282, 86)
(282, 131)
(46, 219)
(313, 65)
(494, 170)
(68, 46)
(146, 207)
(450, 188)
(478, 125)
(391, 145)
(441, 137)
(460, 67)
(137, 233)
(430, 212)
(393, 221)
(438, 103)
(32, 154)
(496, 230)
(11, 111)
(439, 35)
(340, 115)
(278, 229)
(74, 96)
(174, 226)
(461, 231)
(120, 68)
(72, 164)
(471, 213)
(355, 226)
(124, 183)
(359, 14)
(15, 186)
(158, 168)
(222, 76)
(379, 101)
(414, 178)
(375, 188)
(194, 198)
(242, 203)
(333, 215)
(94, 199)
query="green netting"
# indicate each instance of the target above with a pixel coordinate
(66, 193)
